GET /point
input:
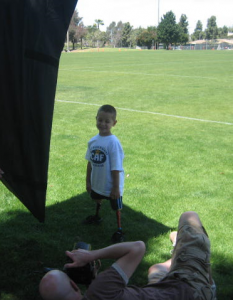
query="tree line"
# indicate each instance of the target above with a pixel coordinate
(120, 34)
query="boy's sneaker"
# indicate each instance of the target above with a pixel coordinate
(92, 220)
(118, 237)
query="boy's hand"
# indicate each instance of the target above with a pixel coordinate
(88, 188)
(88, 178)
(115, 193)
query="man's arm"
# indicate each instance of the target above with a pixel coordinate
(128, 256)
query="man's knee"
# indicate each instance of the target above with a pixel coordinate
(157, 272)
(190, 217)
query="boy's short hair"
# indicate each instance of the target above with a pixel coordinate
(108, 109)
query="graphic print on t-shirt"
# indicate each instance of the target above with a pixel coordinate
(98, 155)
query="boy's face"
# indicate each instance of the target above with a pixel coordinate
(104, 122)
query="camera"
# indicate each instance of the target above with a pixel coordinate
(81, 275)
(85, 274)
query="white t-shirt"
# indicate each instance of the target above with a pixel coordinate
(105, 154)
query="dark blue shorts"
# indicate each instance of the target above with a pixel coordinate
(116, 204)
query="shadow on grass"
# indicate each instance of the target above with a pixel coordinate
(222, 267)
(27, 245)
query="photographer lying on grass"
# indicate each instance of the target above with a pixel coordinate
(186, 276)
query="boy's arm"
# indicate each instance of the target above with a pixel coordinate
(115, 192)
(128, 256)
(88, 178)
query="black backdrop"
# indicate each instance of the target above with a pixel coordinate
(32, 35)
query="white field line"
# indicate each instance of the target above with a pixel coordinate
(149, 112)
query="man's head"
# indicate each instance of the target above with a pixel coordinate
(106, 119)
(56, 285)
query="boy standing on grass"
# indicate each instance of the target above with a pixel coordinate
(105, 173)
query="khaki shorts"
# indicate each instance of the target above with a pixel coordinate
(191, 260)
(156, 277)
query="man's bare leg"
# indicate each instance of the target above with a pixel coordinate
(157, 271)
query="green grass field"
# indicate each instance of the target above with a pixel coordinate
(175, 122)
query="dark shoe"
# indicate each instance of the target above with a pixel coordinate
(92, 220)
(118, 237)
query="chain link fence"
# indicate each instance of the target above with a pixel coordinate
(207, 45)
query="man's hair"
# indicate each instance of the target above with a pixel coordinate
(108, 109)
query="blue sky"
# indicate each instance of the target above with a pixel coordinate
(145, 12)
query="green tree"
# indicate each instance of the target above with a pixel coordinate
(126, 34)
(81, 32)
(147, 37)
(184, 33)
(153, 32)
(199, 26)
(99, 22)
(102, 40)
(119, 34)
(211, 31)
(95, 37)
(168, 31)
(91, 28)
(74, 22)
(111, 32)
(198, 32)
(91, 35)
(223, 32)
(114, 33)
(133, 37)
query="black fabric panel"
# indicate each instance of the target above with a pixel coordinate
(41, 57)
(32, 35)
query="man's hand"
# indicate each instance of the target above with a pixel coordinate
(127, 255)
(79, 257)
